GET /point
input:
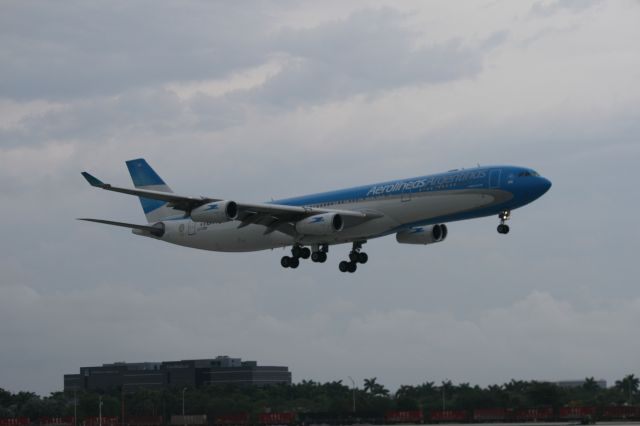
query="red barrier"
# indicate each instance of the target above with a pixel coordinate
(106, 421)
(276, 418)
(56, 420)
(232, 419)
(15, 421)
(449, 416)
(403, 416)
(569, 413)
(621, 412)
(144, 420)
(533, 414)
(490, 414)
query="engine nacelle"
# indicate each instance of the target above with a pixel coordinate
(320, 224)
(216, 212)
(423, 234)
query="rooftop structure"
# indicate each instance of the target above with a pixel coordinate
(601, 383)
(191, 373)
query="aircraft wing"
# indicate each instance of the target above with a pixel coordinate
(281, 217)
(178, 202)
(274, 216)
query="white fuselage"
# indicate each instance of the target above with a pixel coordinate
(396, 211)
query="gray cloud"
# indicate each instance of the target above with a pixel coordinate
(343, 58)
(77, 49)
(93, 120)
(332, 339)
(556, 6)
(330, 62)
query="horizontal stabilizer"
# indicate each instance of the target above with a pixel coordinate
(156, 230)
(94, 181)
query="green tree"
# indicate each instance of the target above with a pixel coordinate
(545, 394)
(628, 386)
(374, 388)
(590, 385)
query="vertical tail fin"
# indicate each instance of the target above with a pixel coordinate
(144, 177)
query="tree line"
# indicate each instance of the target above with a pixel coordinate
(308, 396)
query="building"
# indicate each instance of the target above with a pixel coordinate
(192, 373)
(602, 384)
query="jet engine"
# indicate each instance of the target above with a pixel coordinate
(216, 212)
(320, 224)
(423, 234)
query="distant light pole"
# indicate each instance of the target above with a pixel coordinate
(353, 392)
(100, 410)
(184, 420)
(444, 403)
(122, 402)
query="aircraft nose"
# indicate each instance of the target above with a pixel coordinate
(546, 184)
(543, 185)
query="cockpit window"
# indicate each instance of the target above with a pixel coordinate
(528, 173)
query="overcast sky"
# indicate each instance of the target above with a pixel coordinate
(282, 98)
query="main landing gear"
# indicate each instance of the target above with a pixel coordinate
(297, 253)
(318, 255)
(355, 257)
(504, 216)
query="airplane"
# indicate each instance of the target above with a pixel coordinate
(416, 210)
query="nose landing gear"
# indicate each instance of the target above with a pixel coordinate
(504, 216)
(355, 257)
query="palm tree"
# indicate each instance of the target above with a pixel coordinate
(628, 384)
(376, 389)
(590, 384)
(405, 391)
(369, 384)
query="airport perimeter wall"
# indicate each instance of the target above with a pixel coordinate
(485, 415)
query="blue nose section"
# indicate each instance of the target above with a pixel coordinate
(540, 187)
(545, 184)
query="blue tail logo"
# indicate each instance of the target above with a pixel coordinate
(144, 177)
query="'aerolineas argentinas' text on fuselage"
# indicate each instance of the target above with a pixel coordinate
(426, 182)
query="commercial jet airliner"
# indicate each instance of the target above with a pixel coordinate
(416, 210)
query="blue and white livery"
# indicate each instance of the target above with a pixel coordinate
(414, 209)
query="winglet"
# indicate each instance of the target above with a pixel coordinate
(93, 181)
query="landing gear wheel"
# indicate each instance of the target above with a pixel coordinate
(294, 263)
(296, 251)
(358, 257)
(305, 252)
(318, 257)
(344, 266)
(285, 261)
(352, 267)
(503, 229)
